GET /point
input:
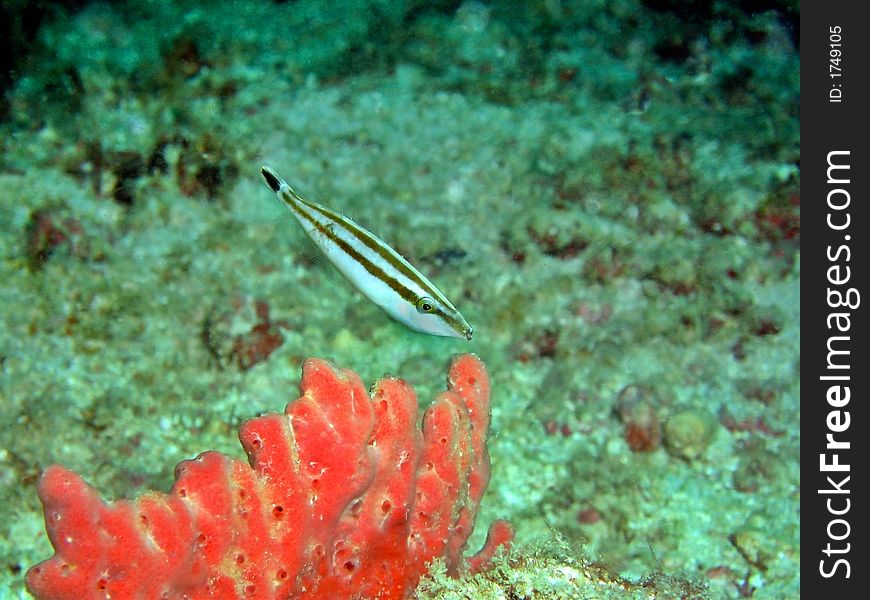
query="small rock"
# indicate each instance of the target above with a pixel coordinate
(688, 432)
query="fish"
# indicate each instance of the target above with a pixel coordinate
(372, 266)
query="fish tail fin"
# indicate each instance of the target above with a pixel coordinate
(277, 185)
(272, 179)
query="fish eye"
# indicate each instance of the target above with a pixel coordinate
(425, 305)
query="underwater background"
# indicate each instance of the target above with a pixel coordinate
(608, 191)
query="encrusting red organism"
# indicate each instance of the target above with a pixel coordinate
(344, 498)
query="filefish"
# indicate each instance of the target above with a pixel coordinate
(373, 267)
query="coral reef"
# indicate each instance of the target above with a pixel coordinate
(554, 570)
(344, 498)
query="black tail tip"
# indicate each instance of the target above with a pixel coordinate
(270, 178)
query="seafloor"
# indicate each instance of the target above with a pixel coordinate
(607, 190)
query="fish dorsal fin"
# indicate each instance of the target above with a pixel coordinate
(342, 209)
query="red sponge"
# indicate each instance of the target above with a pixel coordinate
(344, 498)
